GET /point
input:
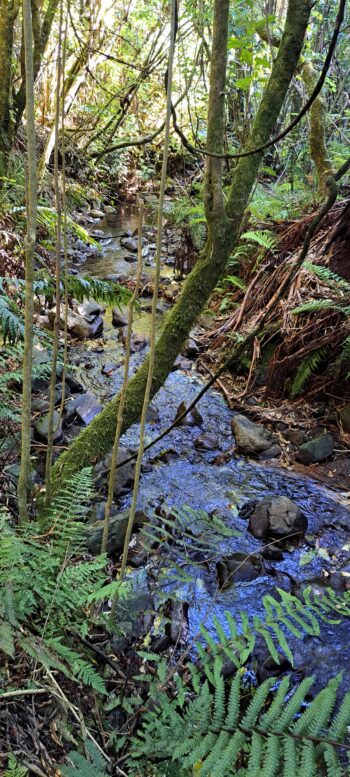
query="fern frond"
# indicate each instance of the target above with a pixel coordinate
(327, 276)
(316, 305)
(288, 737)
(83, 287)
(84, 768)
(306, 369)
(14, 769)
(11, 320)
(237, 639)
(263, 238)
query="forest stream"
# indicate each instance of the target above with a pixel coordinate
(196, 466)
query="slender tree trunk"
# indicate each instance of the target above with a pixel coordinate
(152, 352)
(41, 34)
(56, 327)
(8, 12)
(224, 224)
(29, 269)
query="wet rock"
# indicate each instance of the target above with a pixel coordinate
(87, 408)
(96, 327)
(206, 442)
(152, 416)
(110, 210)
(40, 405)
(250, 437)
(191, 349)
(109, 368)
(271, 453)
(74, 384)
(238, 569)
(90, 308)
(278, 517)
(137, 342)
(69, 412)
(318, 449)
(193, 417)
(130, 258)
(96, 214)
(41, 427)
(182, 364)
(78, 327)
(124, 476)
(117, 529)
(129, 243)
(119, 316)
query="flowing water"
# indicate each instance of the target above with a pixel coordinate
(179, 473)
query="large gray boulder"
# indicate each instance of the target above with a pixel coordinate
(277, 517)
(120, 316)
(41, 427)
(87, 408)
(250, 437)
(318, 449)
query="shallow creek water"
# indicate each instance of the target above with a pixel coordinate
(182, 474)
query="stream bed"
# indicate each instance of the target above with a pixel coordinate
(196, 467)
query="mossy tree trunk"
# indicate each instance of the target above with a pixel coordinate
(317, 116)
(223, 221)
(318, 124)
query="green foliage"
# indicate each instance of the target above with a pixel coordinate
(344, 360)
(14, 769)
(307, 367)
(11, 319)
(95, 767)
(314, 306)
(327, 276)
(45, 587)
(214, 729)
(190, 210)
(186, 536)
(237, 637)
(83, 287)
(279, 201)
(47, 217)
(79, 287)
(263, 238)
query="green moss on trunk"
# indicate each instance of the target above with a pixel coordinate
(318, 120)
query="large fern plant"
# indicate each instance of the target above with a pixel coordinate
(217, 729)
(339, 302)
(46, 588)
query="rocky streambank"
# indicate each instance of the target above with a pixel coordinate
(278, 530)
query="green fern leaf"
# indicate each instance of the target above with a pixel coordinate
(14, 769)
(306, 369)
(265, 239)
